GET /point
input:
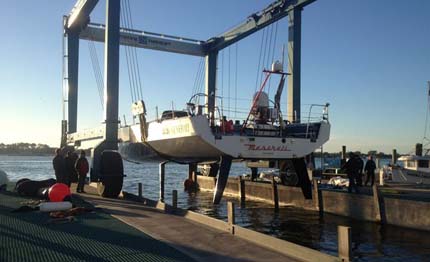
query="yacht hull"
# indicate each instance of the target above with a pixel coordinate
(190, 139)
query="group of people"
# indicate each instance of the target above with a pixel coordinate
(354, 169)
(71, 169)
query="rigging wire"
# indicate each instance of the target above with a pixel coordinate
(202, 78)
(263, 62)
(269, 51)
(259, 60)
(273, 52)
(222, 74)
(197, 78)
(229, 74)
(235, 82)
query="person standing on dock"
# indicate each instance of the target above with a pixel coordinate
(351, 169)
(82, 168)
(71, 175)
(59, 166)
(360, 164)
(370, 170)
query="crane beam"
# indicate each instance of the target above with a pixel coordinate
(80, 14)
(255, 22)
(148, 40)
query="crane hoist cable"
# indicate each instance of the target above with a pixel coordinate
(96, 69)
(135, 52)
(129, 71)
(131, 57)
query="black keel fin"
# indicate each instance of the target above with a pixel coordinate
(304, 181)
(221, 182)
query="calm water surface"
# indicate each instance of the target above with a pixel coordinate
(371, 242)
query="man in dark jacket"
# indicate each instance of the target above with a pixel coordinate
(351, 168)
(82, 167)
(370, 170)
(360, 164)
(70, 168)
(59, 167)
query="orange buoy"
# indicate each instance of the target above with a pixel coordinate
(58, 192)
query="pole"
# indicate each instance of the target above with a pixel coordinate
(162, 168)
(231, 219)
(139, 190)
(294, 50)
(72, 80)
(111, 73)
(394, 157)
(275, 196)
(344, 243)
(175, 199)
(343, 156)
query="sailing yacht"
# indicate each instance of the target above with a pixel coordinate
(193, 136)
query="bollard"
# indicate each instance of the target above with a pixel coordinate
(139, 185)
(344, 243)
(175, 199)
(231, 219)
(241, 186)
(275, 193)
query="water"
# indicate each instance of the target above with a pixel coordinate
(371, 242)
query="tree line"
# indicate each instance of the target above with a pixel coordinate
(26, 149)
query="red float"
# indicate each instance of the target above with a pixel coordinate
(58, 192)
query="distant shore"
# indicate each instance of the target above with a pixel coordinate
(26, 149)
(25, 154)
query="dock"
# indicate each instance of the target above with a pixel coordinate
(95, 236)
(121, 230)
(196, 240)
(405, 205)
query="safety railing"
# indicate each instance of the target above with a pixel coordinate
(324, 115)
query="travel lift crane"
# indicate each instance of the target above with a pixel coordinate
(107, 167)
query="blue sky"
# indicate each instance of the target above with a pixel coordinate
(369, 59)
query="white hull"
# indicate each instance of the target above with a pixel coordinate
(190, 138)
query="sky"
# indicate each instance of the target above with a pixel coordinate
(369, 59)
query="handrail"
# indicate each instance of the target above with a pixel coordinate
(325, 115)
